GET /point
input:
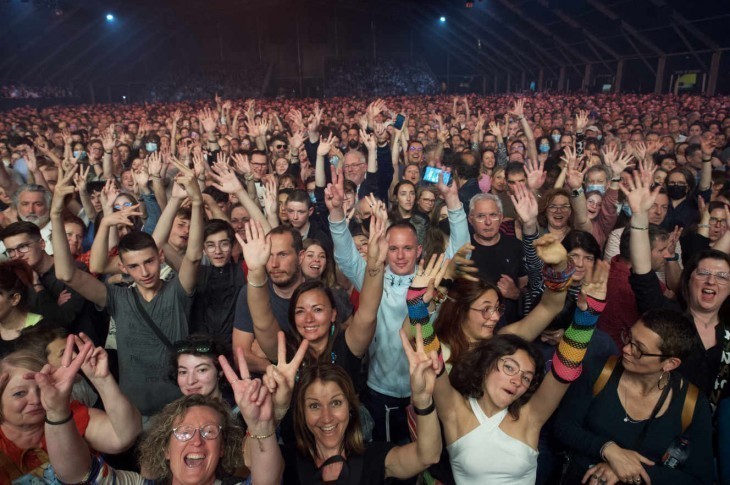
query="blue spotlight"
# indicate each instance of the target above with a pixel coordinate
(442, 19)
(109, 17)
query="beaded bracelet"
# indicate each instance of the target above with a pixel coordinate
(558, 280)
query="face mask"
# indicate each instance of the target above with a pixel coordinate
(556, 138)
(312, 198)
(675, 192)
(150, 147)
(544, 148)
(599, 137)
(599, 188)
(334, 159)
(79, 154)
(444, 226)
(626, 209)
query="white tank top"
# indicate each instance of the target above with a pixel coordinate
(488, 455)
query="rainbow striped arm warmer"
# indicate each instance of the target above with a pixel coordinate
(568, 357)
(418, 314)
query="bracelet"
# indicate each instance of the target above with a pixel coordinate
(251, 283)
(707, 159)
(603, 449)
(672, 259)
(703, 226)
(155, 177)
(260, 436)
(639, 228)
(63, 421)
(425, 411)
(616, 179)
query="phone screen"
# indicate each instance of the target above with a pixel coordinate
(399, 122)
(432, 175)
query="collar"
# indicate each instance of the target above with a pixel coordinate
(392, 279)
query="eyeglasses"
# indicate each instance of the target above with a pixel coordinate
(186, 432)
(489, 312)
(558, 208)
(635, 349)
(185, 347)
(511, 368)
(352, 166)
(258, 164)
(414, 148)
(122, 205)
(715, 221)
(279, 147)
(721, 277)
(480, 218)
(676, 184)
(19, 249)
(224, 245)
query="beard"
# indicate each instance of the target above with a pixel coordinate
(39, 221)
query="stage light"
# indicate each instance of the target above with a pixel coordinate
(442, 19)
(124, 98)
(109, 17)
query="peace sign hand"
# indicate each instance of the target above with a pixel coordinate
(279, 379)
(251, 396)
(423, 369)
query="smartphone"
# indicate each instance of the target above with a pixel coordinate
(432, 175)
(399, 120)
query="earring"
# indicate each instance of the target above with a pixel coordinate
(661, 377)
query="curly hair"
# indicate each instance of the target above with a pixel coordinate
(156, 440)
(469, 372)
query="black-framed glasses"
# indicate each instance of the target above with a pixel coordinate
(185, 347)
(511, 368)
(635, 349)
(186, 432)
(19, 249)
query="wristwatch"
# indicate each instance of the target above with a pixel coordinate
(577, 192)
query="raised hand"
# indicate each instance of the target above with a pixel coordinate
(256, 248)
(550, 250)
(575, 169)
(63, 188)
(423, 369)
(334, 194)
(673, 239)
(369, 140)
(461, 266)
(242, 164)
(581, 121)
(536, 174)
(186, 179)
(638, 191)
(123, 216)
(377, 243)
(109, 194)
(56, 384)
(518, 110)
(430, 276)
(224, 178)
(296, 140)
(280, 378)
(525, 205)
(96, 364)
(447, 191)
(508, 288)
(199, 165)
(154, 164)
(325, 145)
(208, 119)
(595, 283)
(252, 398)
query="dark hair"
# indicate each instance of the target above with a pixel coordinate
(352, 443)
(214, 226)
(468, 374)
(293, 343)
(514, 167)
(37, 337)
(692, 265)
(466, 166)
(184, 213)
(296, 236)
(69, 218)
(329, 276)
(676, 331)
(136, 241)
(219, 196)
(576, 239)
(16, 277)
(454, 312)
(688, 178)
(199, 345)
(394, 209)
(95, 186)
(21, 227)
(301, 196)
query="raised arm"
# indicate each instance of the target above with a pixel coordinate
(194, 252)
(320, 176)
(567, 360)
(361, 330)
(411, 459)
(256, 250)
(66, 271)
(346, 254)
(225, 180)
(707, 144)
(575, 174)
(99, 260)
(640, 198)
(518, 111)
(116, 428)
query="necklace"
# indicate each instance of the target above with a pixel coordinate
(627, 419)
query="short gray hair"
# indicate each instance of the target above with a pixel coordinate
(484, 197)
(33, 188)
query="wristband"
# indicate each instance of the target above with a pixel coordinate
(558, 280)
(639, 228)
(58, 423)
(673, 258)
(425, 411)
(705, 226)
(263, 283)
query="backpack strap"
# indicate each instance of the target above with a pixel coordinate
(606, 372)
(688, 408)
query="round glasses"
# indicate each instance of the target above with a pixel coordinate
(511, 368)
(186, 432)
(489, 312)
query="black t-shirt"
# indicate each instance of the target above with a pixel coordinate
(215, 301)
(504, 258)
(365, 469)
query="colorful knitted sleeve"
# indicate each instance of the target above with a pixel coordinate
(418, 314)
(568, 357)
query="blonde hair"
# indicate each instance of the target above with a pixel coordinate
(20, 359)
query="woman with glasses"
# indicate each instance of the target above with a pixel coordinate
(619, 419)
(495, 401)
(555, 215)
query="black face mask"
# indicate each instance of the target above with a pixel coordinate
(676, 192)
(353, 144)
(444, 226)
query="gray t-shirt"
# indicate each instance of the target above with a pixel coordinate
(143, 358)
(279, 307)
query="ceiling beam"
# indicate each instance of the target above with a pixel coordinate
(606, 11)
(687, 24)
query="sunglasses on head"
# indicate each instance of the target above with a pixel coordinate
(184, 347)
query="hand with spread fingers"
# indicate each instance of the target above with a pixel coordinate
(430, 276)
(461, 266)
(595, 283)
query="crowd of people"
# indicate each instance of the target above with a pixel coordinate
(384, 77)
(507, 289)
(22, 91)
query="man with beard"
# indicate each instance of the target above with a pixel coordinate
(32, 203)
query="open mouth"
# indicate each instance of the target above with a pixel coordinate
(194, 460)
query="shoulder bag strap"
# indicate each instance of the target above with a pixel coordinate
(645, 429)
(148, 320)
(688, 408)
(606, 372)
